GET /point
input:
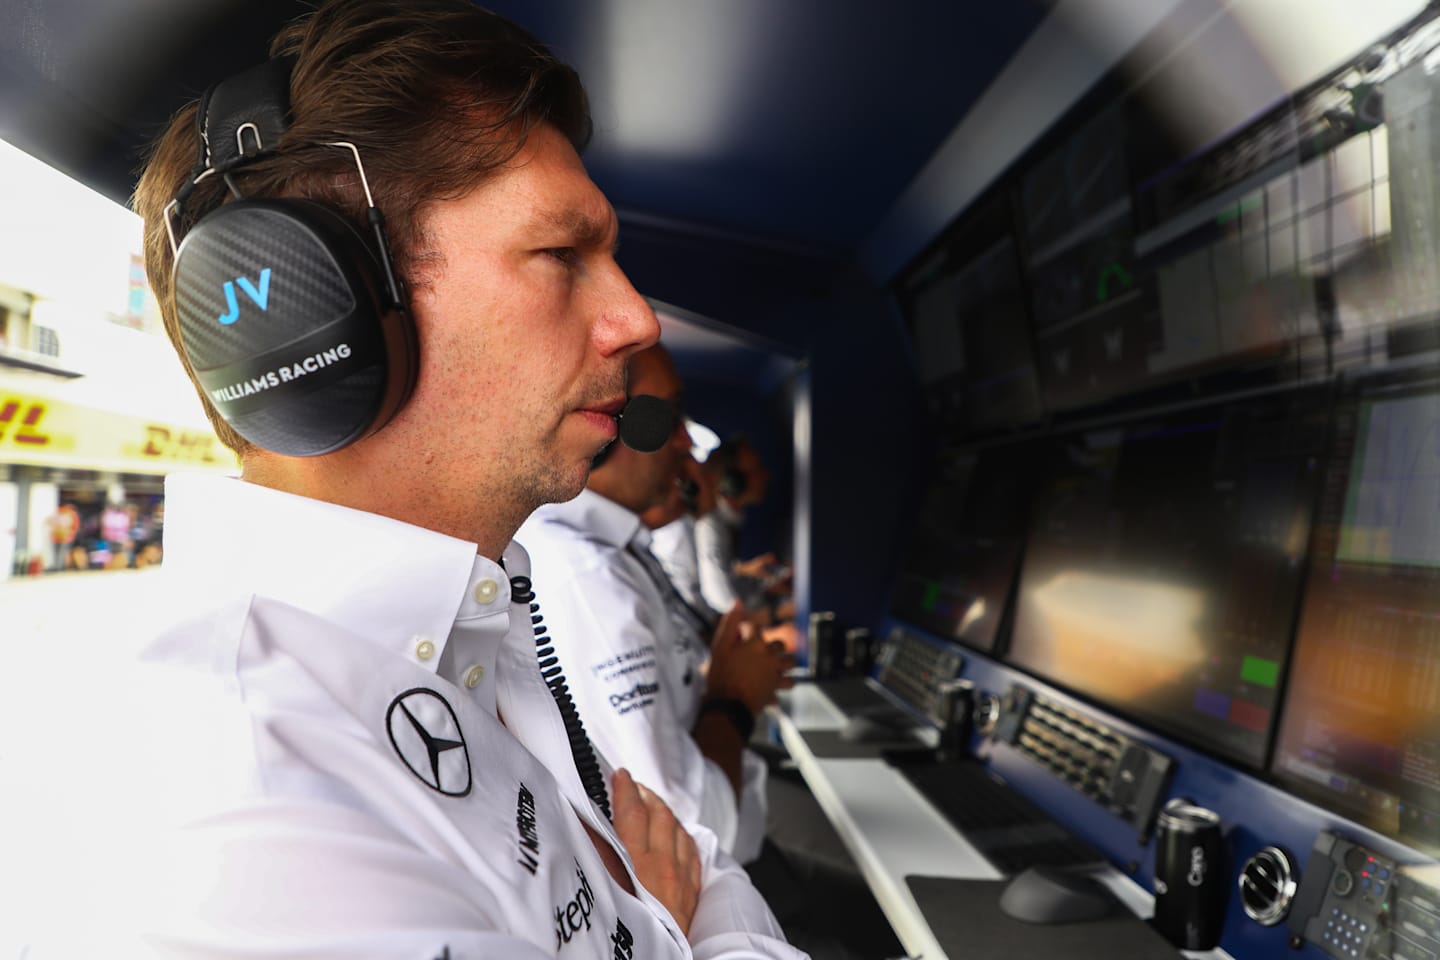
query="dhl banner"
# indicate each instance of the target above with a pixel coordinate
(41, 430)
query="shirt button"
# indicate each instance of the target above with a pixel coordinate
(424, 649)
(474, 675)
(486, 590)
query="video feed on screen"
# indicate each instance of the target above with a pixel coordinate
(1162, 569)
(1361, 727)
(958, 571)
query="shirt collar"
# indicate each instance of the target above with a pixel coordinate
(397, 585)
(600, 517)
(731, 514)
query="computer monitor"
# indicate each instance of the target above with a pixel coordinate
(929, 300)
(1360, 733)
(1000, 381)
(970, 328)
(956, 575)
(1089, 301)
(1162, 569)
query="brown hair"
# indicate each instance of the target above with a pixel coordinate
(436, 94)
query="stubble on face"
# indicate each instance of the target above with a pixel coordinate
(543, 474)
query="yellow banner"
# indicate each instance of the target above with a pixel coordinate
(42, 431)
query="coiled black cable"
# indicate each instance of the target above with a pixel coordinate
(586, 763)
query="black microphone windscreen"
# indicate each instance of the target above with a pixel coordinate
(646, 423)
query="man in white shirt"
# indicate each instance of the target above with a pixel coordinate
(653, 697)
(343, 744)
(741, 481)
(672, 539)
(654, 705)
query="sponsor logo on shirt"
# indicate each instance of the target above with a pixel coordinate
(638, 696)
(529, 837)
(625, 662)
(426, 735)
(572, 916)
(623, 940)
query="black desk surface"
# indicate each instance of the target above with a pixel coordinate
(965, 917)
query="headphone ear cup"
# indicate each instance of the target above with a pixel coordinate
(284, 322)
(732, 482)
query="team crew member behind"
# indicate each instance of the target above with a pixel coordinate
(741, 481)
(661, 692)
(672, 526)
(344, 747)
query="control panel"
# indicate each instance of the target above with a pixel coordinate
(1123, 775)
(1414, 931)
(922, 673)
(1346, 899)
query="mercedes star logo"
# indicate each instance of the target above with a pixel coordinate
(426, 734)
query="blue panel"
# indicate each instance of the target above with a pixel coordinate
(1254, 813)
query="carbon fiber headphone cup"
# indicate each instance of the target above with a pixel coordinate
(285, 326)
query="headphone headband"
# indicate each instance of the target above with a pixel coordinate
(245, 116)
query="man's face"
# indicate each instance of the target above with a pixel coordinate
(525, 323)
(670, 508)
(757, 478)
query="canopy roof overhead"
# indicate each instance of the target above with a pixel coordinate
(794, 124)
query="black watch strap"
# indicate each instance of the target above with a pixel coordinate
(736, 712)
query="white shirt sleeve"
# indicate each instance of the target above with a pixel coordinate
(750, 830)
(613, 636)
(727, 894)
(712, 554)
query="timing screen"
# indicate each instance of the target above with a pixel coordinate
(1361, 732)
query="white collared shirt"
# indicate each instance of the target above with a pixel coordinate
(313, 766)
(674, 546)
(636, 662)
(715, 555)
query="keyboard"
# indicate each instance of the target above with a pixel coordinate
(1010, 831)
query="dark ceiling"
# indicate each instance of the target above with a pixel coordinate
(789, 123)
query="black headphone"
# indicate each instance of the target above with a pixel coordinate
(731, 480)
(294, 325)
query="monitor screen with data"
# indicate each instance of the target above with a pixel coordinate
(958, 571)
(1000, 383)
(1162, 570)
(1361, 727)
(930, 300)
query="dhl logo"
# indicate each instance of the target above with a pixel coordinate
(162, 442)
(32, 424)
(22, 429)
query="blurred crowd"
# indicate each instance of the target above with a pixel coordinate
(117, 536)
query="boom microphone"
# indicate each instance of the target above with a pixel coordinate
(646, 423)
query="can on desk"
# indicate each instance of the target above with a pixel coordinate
(1190, 880)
